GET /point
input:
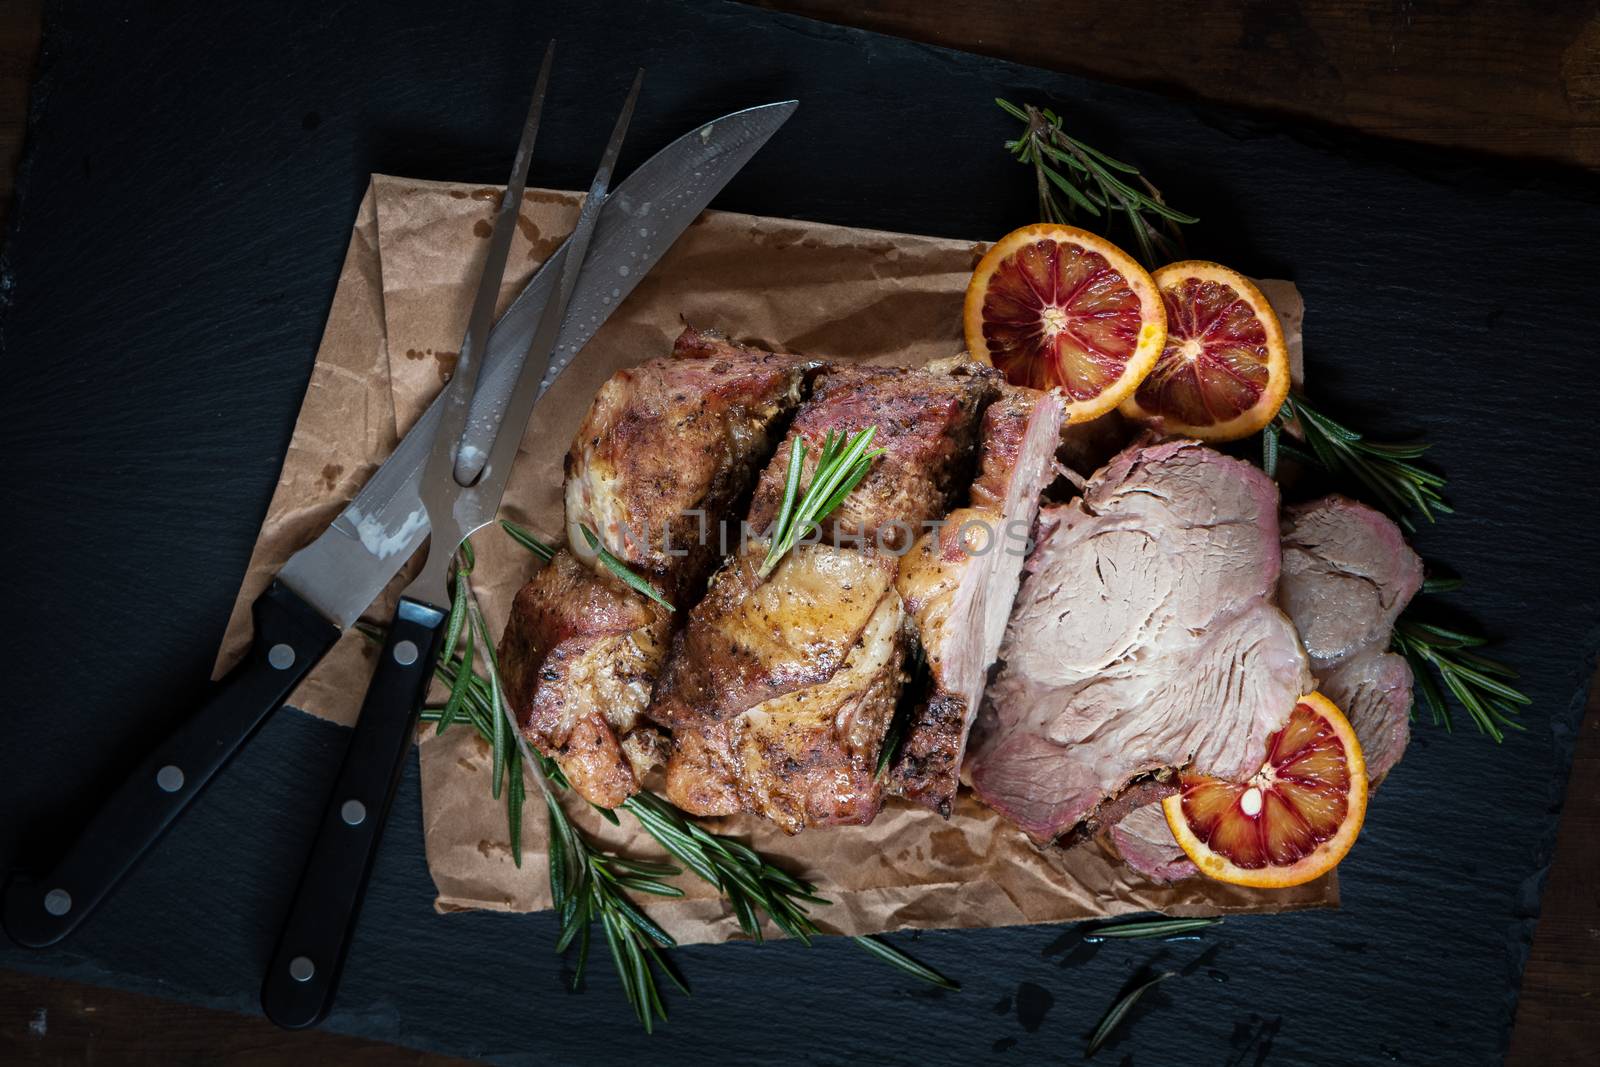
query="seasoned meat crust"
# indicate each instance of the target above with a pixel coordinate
(779, 692)
(927, 420)
(750, 640)
(793, 684)
(665, 453)
(670, 447)
(1145, 638)
(579, 658)
(959, 584)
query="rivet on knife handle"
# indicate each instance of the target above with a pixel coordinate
(290, 638)
(301, 981)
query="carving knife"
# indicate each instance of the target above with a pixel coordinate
(326, 586)
(303, 977)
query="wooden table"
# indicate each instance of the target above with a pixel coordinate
(1483, 78)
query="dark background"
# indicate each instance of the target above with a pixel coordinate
(181, 215)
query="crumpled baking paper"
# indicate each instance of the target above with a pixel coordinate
(850, 294)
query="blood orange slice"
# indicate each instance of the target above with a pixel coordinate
(1224, 370)
(1293, 820)
(1055, 307)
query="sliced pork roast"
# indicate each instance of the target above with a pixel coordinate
(1347, 575)
(578, 659)
(959, 583)
(779, 692)
(1145, 638)
(669, 448)
(665, 452)
(1145, 843)
(927, 422)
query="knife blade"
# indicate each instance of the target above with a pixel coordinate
(342, 571)
(326, 586)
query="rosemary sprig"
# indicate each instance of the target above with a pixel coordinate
(616, 566)
(1074, 177)
(586, 885)
(1477, 682)
(528, 540)
(1119, 1011)
(1398, 486)
(1143, 928)
(842, 463)
(752, 886)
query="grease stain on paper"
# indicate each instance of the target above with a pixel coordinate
(445, 364)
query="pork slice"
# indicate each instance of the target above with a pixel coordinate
(1145, 638)
(1347, 575)
(1373, 689)
(1145, 843)
(783, 711)
(927, 425)
(579, 658)
(670, 447)
(958, 584)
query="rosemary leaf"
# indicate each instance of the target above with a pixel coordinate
(1397, 485)
(841, 465)
(1269, 449)
(1073, 177)
(462, 684)
(1119, 1011)
(623, 571)
(527, 539)
(458, 616)
(895, 958)
(1142, 928)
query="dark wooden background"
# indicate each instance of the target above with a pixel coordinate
(1515, 80)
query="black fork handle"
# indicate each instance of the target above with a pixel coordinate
(304, 974)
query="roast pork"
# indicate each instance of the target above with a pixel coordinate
(779, 691)
(959, 582)
(1347, 575)
(665, 452)
(1145, 638)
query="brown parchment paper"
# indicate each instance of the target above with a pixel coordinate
(400, 310)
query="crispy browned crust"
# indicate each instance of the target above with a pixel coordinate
(927, 422)
(926, 768)
(780, 691)
(750, 640)
(1004, 429)
(806, 758)
(944, 584)
(669, 448)
(579, 658)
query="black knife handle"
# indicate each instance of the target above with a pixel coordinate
(304, 974)
(290, 637)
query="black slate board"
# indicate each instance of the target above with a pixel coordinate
(183, 210)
